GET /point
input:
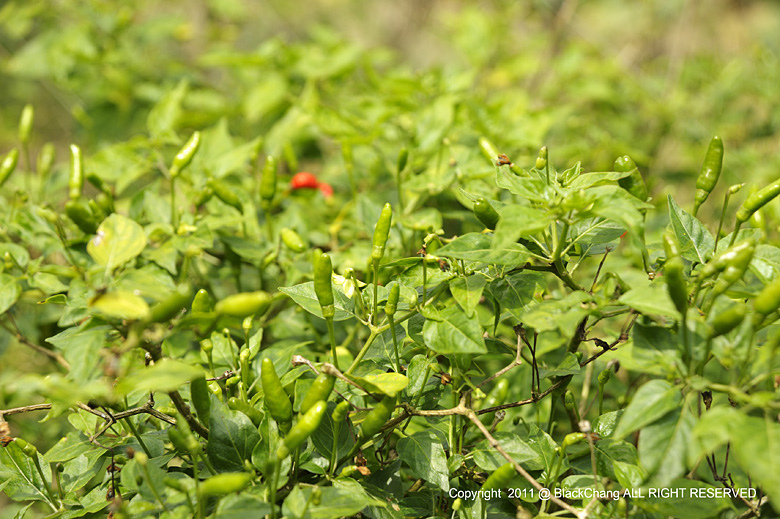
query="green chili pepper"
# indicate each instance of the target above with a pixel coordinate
(253, 414)
(292, 240)
(541, 160)
(392, 299)
(27, 448)
(78, 211)
(76, 178)
(26, 123)
(223, 484)
(571, 406)
(633, 183)
(500, 478)
(244, 304)
(225, 193)
(710, 171)
(671, 246)
(268, 180)
(319, 390)
(768, 300)
(378, 417)
(676, 284)
(105, 202)
(96, 210)
(485, 213)
(169, 307)
(45, 159)
(202, 302)
(497, 396)
(572, 439)
(323, 287)
(727, 320)
(403, 158)
(304, 428)
(604, 377)
(756, 201)
(735, 268)
(341, 412)
(178, 440)
(202, 196)
(742, 249)
(184, 157)
(201, 398)
(488, 150)
(8, 165)
(381, 232)
(276, 398)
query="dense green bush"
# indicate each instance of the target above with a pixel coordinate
(526, 322)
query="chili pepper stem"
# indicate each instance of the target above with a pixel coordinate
(722, 217)
(334, 458)
(46, 485)
(362, 351)
(134, 432)
(395, 343)
(152, 487)
(198, 500)
(736, 231)
(274, 484)
(376, 288)
(332, 335)
(425, 281)
(174, 212)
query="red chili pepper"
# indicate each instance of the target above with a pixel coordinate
(325, 189)
(304, 179)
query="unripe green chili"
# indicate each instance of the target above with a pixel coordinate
(710, 171)
(202, 302)
(341, 412)
(8, 165)
(304, 428)
(403, 158)
(633, 183)
(184, 157)
(78, 211)
(244, 304)
(292, 240)
(392, 300)
(223, 484)
(225, 193)
(169, 307)
(500, 478)
(320, 390)
(768, 300)
(572, 439)
(268, 180)
(497, 396)
(571, 406)
(45, 159)
(202, 196)
(276, 398)
(488, 150)
(756, 201)
(178, 440)
(323, 287)
(76, 178)
(105, 202)
(381, 232)
(27, 448)
(253, 414)
(676, 284)
(378, 417)
(727, 320)
(201, 398)
(671, 247)
(26, 123)
(735, 268)
(541, 160)
(96, 210)
(744, 248)
(485, 213)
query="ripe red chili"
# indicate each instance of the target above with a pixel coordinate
(325, 189)
(304, 179)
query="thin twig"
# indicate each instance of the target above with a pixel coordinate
(17, 333)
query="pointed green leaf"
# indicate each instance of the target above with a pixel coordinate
(117, 241)
(696, 242)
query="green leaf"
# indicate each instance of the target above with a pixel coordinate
(322, 438)
(487, 458)
(587, 180)
(232, 437)
(518, 221)
(516, 291)
(568, 366)
(651, 299)
(344, 499)
(478, 247)
(532, 189)
(389, 384)
(651, 402)
(682, 506)
(21, 478)
(696, 242)
(121, 304)
(117, 241)
(242, 506)
(81, 348)
(467, 292)
(9, 292)
(164, 116)
(304, 295)
(663, 446)
(454, 333)
(165, 375)
(424, 454)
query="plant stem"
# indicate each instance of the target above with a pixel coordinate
(332, 335)
(395, 343)
(174, 212)
(376, 288)
(722, 217)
